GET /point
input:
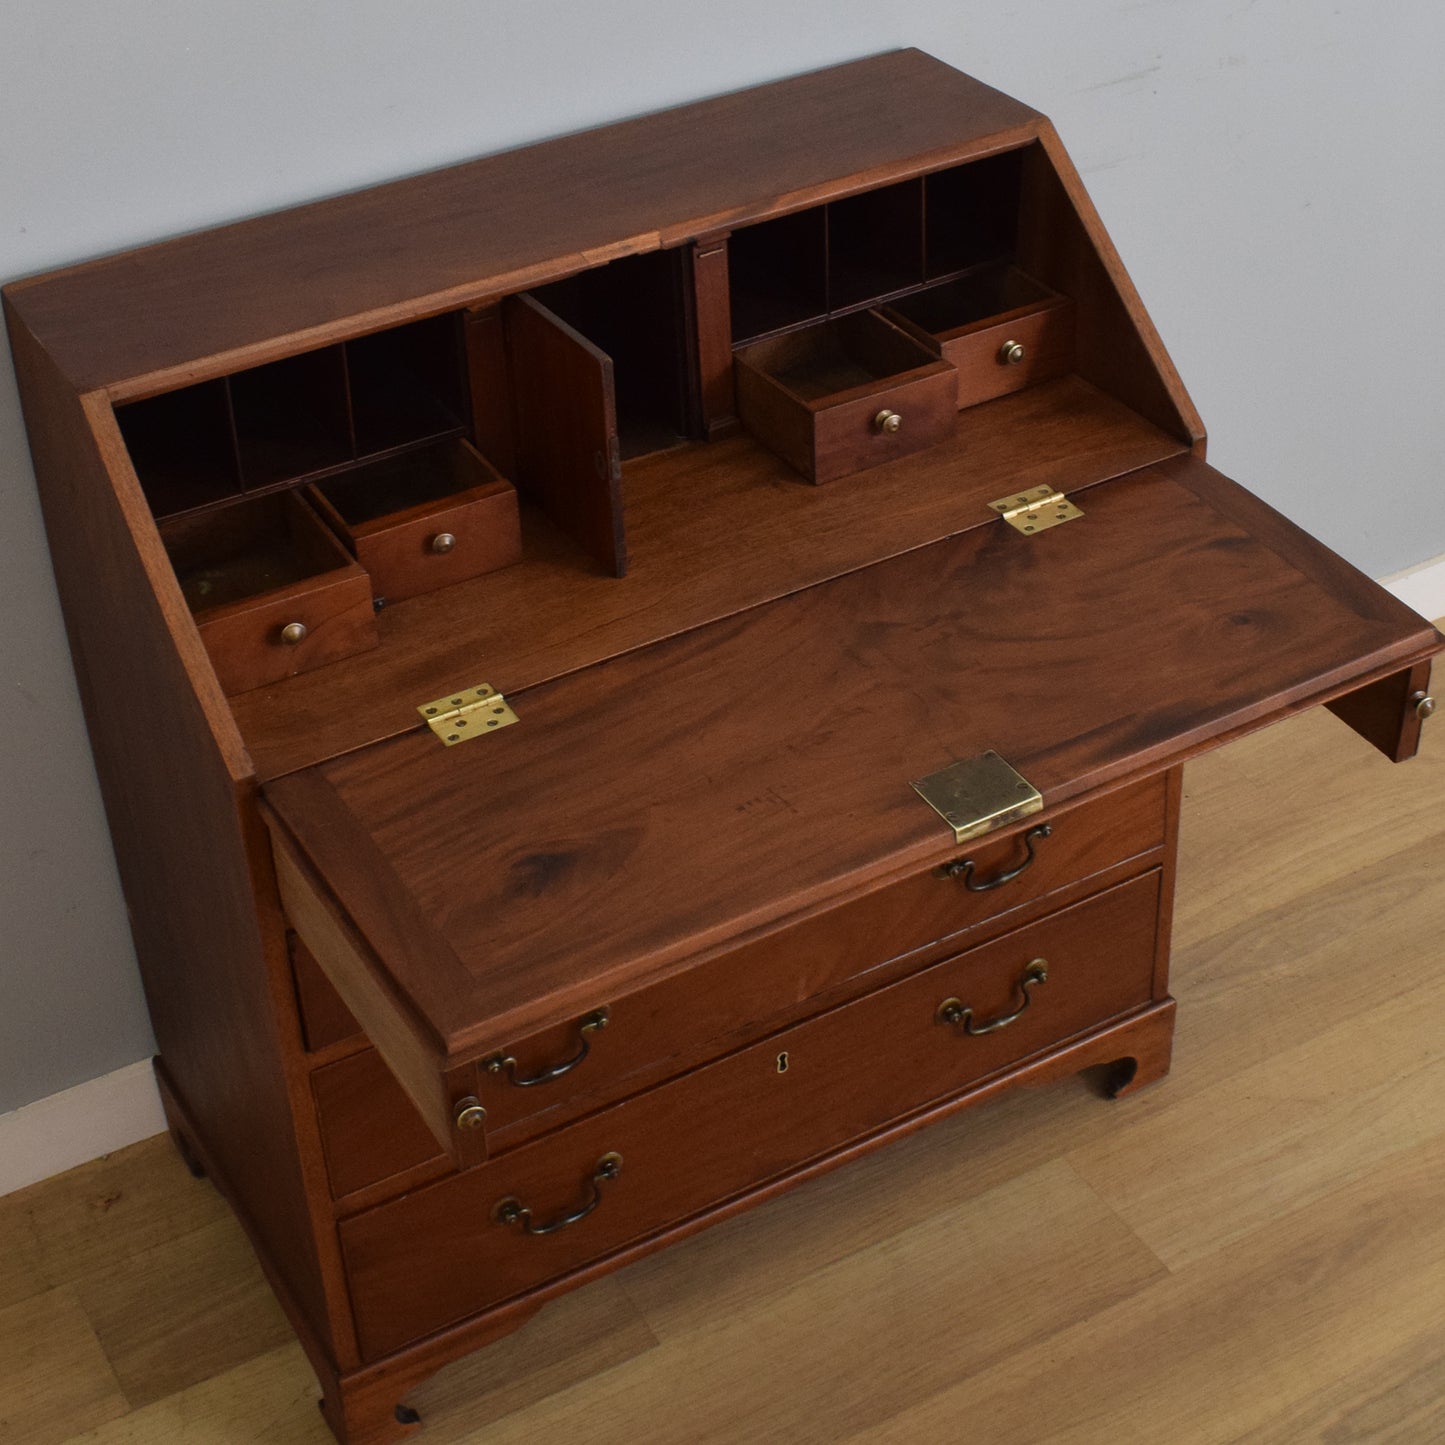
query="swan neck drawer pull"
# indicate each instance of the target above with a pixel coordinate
(586, 1026)
(953, 1011)
(963, 867)
(513, 1212)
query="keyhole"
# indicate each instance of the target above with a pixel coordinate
(783, 1062)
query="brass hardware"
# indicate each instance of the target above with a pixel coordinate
(469, 1113)
(976, 795)
(588, 1024)
(954, 1012)
(1036, 510)
(294, 632)
(783, 1062)
(1011, 353)
(1424, 705)
(468, 714)
(442, 543)
(887, 421)
(963, 867)
(512, 1211)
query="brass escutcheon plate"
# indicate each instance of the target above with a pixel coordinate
(976, 795)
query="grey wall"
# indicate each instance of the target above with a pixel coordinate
(1270, 170)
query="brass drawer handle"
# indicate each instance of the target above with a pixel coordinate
(888, 421)
(963, 868)
(589, 1024)
(512, 1211)
(953, 1011)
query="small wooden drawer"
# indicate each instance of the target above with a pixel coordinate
(845, 395)
(444, 1252)
(272, 591)
(425, 519)
(740, 993)
(1002, 330)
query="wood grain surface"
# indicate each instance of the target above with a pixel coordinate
(456, 236)
(1177, 627)
(711, 531)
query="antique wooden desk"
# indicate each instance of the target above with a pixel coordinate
(513, 607)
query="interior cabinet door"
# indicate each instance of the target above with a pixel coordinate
(568, 457)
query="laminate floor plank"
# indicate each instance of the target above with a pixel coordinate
(188, 1309)
(861, 1339)
(95, 1216)
(269, 1400)
(55, 1380)
(583, 1334)
(1240, 1345)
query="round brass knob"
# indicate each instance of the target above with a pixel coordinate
(1011, 353)
(442, 542)
(887, 421)
(469, 1113)
(294, 632)
(1424, 704)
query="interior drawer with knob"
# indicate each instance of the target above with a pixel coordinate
(272, 591)
(473, 1240)
(845, 395)
(999, 327)
(424, 519)
(618, 1043)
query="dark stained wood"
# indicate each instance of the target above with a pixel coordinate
(568, 455)
(438, 1255)
(1063, 243)
(704, 819)
(736, 995)
(455, 236)
(711, 531)
(814, 395)
(488, 373)
(325, 1020)
(1181, 628)
(1385, 713)
(369, 1130)
(971, 331)
(283, 547)
(1142, 1038)
(390, 1020)
(179, 801)
(390, 515)
(712, 314)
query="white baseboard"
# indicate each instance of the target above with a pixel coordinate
(57, 1133)
(1421, 587)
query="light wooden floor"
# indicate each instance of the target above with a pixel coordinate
(1253, 1250)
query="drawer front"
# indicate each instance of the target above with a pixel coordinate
(429, 548)
(850, 436)
(742, 993)
(252, 646)
(453, 1249)
(982, 355)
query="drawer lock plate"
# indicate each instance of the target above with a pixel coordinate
(976, 795)
(1036, 510)
(469, 713)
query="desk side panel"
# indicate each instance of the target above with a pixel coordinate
(179, 796)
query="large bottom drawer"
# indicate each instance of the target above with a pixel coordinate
(478, 1238)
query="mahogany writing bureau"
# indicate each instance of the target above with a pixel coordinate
(629, 672)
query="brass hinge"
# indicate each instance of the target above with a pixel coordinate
(976, 795)
(1036, 510)
(469, 713)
